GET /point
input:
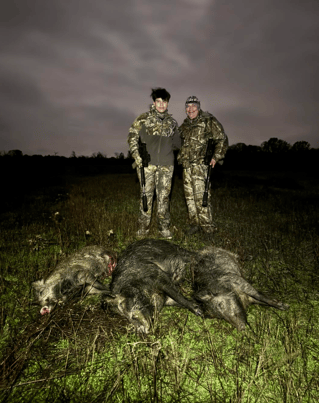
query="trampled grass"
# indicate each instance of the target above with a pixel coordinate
(82, 353)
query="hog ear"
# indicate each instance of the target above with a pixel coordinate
(37, 285)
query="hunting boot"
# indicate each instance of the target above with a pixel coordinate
(166, 233)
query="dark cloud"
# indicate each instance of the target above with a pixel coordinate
(74, 75)
(16, 90)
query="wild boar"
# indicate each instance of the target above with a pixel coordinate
(221, 291)
(145, 280)
(77, 272)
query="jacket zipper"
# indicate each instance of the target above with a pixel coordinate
(160, 144)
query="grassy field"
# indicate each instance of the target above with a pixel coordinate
(82, 353)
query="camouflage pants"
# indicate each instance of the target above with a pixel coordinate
(158, 178)
(194, 186)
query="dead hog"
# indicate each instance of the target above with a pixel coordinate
(221, 291)
(145, 280)
(78, 271)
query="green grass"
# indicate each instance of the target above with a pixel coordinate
(82, 353)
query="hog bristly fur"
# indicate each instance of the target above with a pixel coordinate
(145, 280)
(78, 271)
(222, 291)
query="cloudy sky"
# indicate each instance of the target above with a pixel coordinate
(75, 74)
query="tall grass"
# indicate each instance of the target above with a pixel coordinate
(82, 353)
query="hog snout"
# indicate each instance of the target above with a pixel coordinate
(44, 310)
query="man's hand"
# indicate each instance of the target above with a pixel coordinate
(212, 163)
(138, 160)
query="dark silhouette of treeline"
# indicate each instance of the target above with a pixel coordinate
(272, 155)
(22, 174)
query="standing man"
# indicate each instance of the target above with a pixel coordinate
(159, 131)
(195, 132)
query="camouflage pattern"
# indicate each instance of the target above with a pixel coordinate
(192, 100)
(157, 178)
(160, 133)
(195, 134)
(194, 186)
(156, 123)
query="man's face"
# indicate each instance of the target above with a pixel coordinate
(160, 105)
(192, 111)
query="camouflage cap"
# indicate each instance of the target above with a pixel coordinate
(192, 100)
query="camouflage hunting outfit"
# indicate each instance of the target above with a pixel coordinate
(160, 133)
(195, 134)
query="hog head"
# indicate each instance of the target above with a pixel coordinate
(226, 306)
(49, 295)
(133, 309)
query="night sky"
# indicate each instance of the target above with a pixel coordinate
(75, 74)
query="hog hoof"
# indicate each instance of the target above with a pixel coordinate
(198, 312)
(283, 306)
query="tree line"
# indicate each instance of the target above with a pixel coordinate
(274, 154)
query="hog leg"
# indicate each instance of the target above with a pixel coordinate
(171, 291)
(255, 297)
(97, 288)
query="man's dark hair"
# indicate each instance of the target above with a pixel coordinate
(160, 93)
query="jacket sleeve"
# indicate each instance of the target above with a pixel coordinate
(134, 133)
(181, 136)
(176, 139)
(220, 139)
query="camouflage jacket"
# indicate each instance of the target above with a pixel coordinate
(160, 133)
(195, 134)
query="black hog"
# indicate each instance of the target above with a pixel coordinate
(77, 272)
(222, 292)
(145, 280)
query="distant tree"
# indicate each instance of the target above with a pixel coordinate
(238, 147)
(73, 155)
(15, 153)
(274, 145)
(253, 149)
(98, 155)
(300, 146)
(119, 156)
(129, 155)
